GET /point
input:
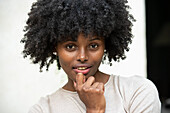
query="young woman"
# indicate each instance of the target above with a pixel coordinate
(79, 35)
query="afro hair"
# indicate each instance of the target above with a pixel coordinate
(53, 21)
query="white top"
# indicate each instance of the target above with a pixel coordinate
(123, 95)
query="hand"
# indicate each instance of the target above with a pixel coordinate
(91, 93)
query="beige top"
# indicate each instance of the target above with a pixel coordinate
(123, 95)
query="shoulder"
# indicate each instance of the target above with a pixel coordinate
(43, 105)
(135, 83)
(138, 94)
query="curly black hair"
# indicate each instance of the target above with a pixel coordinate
(53, 21)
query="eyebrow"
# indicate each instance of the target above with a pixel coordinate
(95, 39)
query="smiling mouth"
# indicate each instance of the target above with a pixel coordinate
(84, 70)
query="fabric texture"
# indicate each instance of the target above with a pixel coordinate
(133, 94)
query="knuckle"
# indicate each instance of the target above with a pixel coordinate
(85, 89)
(96, 83)
(101, 92)
(91, 78)
(101, 84)
(98, 91)
(91, 89)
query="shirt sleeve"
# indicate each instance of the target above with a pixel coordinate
(35, 109)
(41, 107)
(144, 97)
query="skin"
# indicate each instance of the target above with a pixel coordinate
(90, 87)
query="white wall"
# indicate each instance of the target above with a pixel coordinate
(135, 63)
(21, 84)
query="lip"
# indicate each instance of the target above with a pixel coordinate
(85, 71)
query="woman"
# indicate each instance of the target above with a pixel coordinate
(79, 35)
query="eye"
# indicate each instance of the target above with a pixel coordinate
(70, 47)
(94, 46)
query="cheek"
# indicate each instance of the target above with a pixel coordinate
(97, 57)
(65, 59)
(64, 62)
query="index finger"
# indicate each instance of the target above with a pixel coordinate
(79, 79)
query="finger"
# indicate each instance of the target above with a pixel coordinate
(79, 79)
(89, 82)
(95, 85)
(75, 85)
(101, 86)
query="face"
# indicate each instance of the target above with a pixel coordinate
(81, 56)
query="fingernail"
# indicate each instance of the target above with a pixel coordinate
(79, 73)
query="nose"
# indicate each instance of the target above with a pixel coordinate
(82, 55)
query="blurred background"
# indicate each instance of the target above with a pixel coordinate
(21, 83)
(158, 47)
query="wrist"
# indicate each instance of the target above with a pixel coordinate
(95, 110)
